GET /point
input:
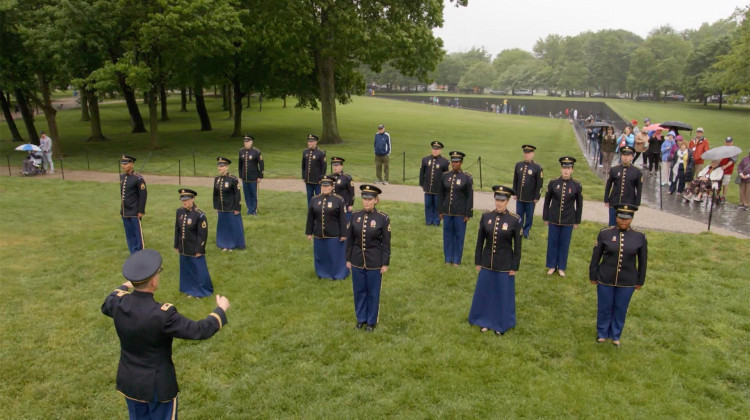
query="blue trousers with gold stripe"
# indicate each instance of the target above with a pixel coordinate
(133, 233)
(250, 189)
(454, 231)
(612, 306)
(154, 410)
(558, 244)
(366, 286)
(312, 190)
(525, 209)
(431, 216)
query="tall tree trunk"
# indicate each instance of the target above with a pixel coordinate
(284, 102)
(83, 98)
(28, 118)
(96, 124)
(248, 101)
(260, 101)
(50, 113)
(200, 107)
(136, 120)
(190, 94)
(721, 99)
(183, 99)
(163, 101)
(5, 105)
(224, 98)
(237, 90)
(325, 67)
(153, 116)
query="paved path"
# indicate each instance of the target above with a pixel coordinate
(647, 218)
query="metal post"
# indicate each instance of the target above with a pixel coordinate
(404, 175)
(179, 172)
(62, 169)
(480, 172)
(88, 163)
(661, 199)
(9, 171)
(193, 162)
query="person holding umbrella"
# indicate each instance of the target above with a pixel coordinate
(617, 268)
(727, 164)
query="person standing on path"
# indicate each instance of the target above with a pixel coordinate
(617, 268)
(343, 185)
(313, 166)
(190, 236)
(230, 233)
(251, 173)
(133, 195)
(45, 143)
(698, 145)
(624, 184)
(562, 212)
(382, 154)
(527, 183)
(728, 165)
(609, 144)
(430, 177)
(743, 171)
(146, 374)
(456, 201)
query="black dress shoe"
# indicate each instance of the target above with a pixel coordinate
(360, 325)
(370, 328)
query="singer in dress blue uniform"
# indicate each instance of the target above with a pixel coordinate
(190, 235)
(624, 184)
(528, 183)
(327, 228)
(251, 173)
(368, 254)
(313, 166)
(497, 257)
(563, 208)
(146, 374)
(618, 267)
(430, 177)
(343, 185)
(133, 196)
(456, 201)
(230, 233)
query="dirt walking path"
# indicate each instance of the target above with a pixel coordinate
(594, 211)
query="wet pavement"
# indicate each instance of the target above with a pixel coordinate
(726, 215)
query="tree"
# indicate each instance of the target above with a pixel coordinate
(607, 56)
(478, 77)
(736, 63)
(507, 58)
(449, 70)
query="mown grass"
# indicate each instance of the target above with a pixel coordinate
(290, 351)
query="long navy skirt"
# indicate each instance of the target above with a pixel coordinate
(494, 303)
(230, 234)
(330, 258)
(194, 277)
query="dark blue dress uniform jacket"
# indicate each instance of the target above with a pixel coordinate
(528, 181)
(190, 231)
(431, 173)
(251, 164)
(313, 165)
(499, 241)
(343, 186)
(619, 258)
(146, 329)
(563, 202)
(227, 193)
(133, 195)
(456, 194)
(368, 244)
(624, 186)
(326, 217)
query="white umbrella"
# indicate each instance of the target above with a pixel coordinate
(721, 152)
(28, 147)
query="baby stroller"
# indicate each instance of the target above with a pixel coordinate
(32, 165)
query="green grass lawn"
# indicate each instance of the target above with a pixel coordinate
(290, 350)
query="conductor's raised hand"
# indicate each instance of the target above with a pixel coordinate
(222, 302)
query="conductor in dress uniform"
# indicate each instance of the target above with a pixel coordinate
(368, 255)
(563, 208)
(146, 374)
(624, 184)
(251, 173)
(618, 267)
(190, 235)
(133, 196)
(456, 200)
(313, 166)
(497, 257)
(528, 183)
(327, 228)
(430, 177)
(230, 233)
(343, 185)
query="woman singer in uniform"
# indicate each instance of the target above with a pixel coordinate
(230, 233)
(327, 228)
(563, 208)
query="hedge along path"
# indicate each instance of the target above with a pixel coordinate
(593, 211)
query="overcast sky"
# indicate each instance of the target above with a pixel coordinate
(497, 25)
